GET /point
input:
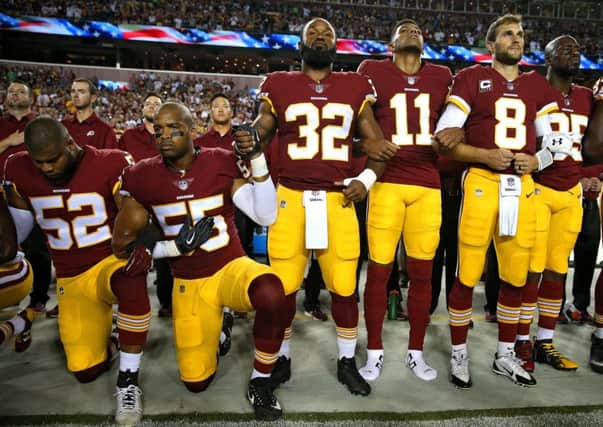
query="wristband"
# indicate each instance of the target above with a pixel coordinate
(166, 249)
(545, 159)
(367, 177)
(259, 167)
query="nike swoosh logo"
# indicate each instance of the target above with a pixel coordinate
(529, 195)
(189, 241)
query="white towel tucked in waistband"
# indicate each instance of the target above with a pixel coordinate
(508, 207)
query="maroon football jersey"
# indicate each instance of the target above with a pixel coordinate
(139, 143)
(201, 190)
(407, 109)
(575, 109)
(316, 123)
(77, 217)
(501, 113)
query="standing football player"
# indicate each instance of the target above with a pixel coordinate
(502, 111)
(406, 199)
(317, 113)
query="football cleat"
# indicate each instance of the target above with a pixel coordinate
(265, 405)
(545, 352)
(227, 322)
(374, 364)
(347, 374)
(281, 373)
(316, 313)
(508, 365)
(23, 340)
(421, 369)
(572, 313)
(596, 354)
(524, 351)
(459, 369)
(129, 405)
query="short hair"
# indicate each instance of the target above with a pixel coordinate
(151, 94)
(502, 20)
(91, 86)
(24, 83)
(400, 23)
(219, 95)
(551, 46)
(187, 116)
(43, 131)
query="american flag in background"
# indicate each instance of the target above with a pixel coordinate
(98, 29)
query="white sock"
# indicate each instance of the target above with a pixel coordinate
(523, 338)
(285, 349)
(347, 348)
(505, 347)
(257, 374)
(222, 337)
(545, 334)
(129, 361)
(417, 365)
(459, 348)
(18, 324)
(374, 363)
(599, 333)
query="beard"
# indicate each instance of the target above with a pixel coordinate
(507, 59)
(317, 58)
(23, 105)
(66, 175)
(566, 72)
(149, 119)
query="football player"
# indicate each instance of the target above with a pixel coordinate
(593, 143)
(406, 199)
(71, 191)
(15, 282)
(202, 185)
(558, 210)
(317, 113)
(502, 111)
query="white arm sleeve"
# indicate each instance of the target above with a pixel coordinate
(543, 125)
(452, 117)
(24, 222)
(257, 201)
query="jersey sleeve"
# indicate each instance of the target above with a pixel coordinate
(367, 92)
(267, 92)
(119, 161)
(547, 102)
(464, 88)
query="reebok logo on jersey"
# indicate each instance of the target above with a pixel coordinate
(485, 85)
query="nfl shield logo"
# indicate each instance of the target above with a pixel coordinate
(510, 86)
(567, 101)
(412, 80)
(183, 184)
(319, 88)
(510, 182)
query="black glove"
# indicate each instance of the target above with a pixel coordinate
(140, 261)
(190, 238)
(257, 147)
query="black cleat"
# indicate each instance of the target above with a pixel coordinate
(227, 322)
(265, 405)
(596, 354)
(347, 373)
(281, 373)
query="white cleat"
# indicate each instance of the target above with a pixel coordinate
(417, 365)
(508, 365)
(374, 364)
(129, 405)
(459, 369)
